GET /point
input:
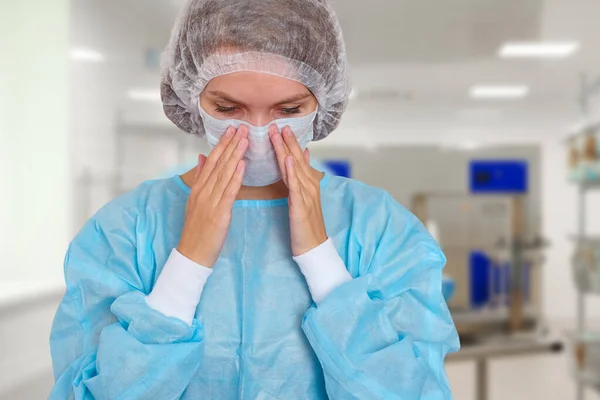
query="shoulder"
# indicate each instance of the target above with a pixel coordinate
(377, 221)
(362, 199)
(131, 207)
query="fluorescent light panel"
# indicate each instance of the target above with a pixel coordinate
(86, 55)
(498, 91)
(538, 49)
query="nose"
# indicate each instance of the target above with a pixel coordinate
(260, 119)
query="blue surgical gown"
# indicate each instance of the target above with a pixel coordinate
(256, 332)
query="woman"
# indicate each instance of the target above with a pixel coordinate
(253, 276)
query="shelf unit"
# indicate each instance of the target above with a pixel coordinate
(589, 88)
(584, 379)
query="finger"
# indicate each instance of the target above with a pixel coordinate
(233, 146)
(241, 133)
(304, 176)
(302, 167)
(234, 185)
(292, 178)
(281, 151)
(308, 182)
(292, 143)
(215, 154)
(228, 172)
(294, 147)
(297, 193)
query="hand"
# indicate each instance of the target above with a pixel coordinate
(307, 227)
(208, 213)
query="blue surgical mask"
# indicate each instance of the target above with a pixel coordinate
(262, 168)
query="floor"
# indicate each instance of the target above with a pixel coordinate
(528, 378)
(38, 388)
(539, 377)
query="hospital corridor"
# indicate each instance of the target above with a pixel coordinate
(300, 199)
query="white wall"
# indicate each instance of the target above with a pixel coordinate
(35, 182)
(34, 156)
(24, 333)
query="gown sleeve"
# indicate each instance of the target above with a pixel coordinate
(106, 341)
(385, 333)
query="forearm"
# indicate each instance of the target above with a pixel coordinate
(144, 354)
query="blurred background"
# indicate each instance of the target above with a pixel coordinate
(481, 116)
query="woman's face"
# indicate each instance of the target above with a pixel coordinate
(256, 98)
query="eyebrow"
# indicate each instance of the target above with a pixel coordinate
(225, 97)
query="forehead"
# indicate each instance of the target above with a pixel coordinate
(250, 84)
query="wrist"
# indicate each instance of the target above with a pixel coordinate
(311, 244)
(197, 256)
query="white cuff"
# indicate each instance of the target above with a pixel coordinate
(177, 290)
(323, 269)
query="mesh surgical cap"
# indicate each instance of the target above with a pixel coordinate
(299, 40)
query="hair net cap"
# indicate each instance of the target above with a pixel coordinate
(299, 40)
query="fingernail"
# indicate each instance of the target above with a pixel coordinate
(230, 131)
(242, 143)
(287, 131)
(273, 129)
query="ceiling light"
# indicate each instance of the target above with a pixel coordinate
(498, 91)
(86, 55)
(467, 145)
(538, 49)
(144, 95)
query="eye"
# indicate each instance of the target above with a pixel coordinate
(225, 110)
(290, 111)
